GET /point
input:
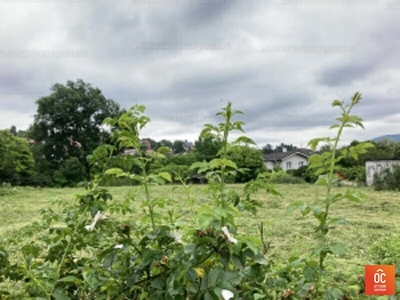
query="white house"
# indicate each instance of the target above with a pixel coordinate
(376, 166)
(287, 160)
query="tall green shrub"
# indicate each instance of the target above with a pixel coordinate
(327, 163)
(388, 179)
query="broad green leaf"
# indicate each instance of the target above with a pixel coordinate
(253, 243)
(318, 250)
(311, 273)
(231, 277)
(337, 249)
(295, 205)
(354, 196)
(114, 171)
(215, 163)
(57, 295)
(321, 181)
(229, 163)
(338, 220)
(157, 283)
(213, 276)
(208, 296)
(305, 209)
(166, 176)
(205, 220)
(314, 142)
(68, 279)
(110, 259)
(238, 261)
(333, 294)
(337, 103)
(244, 140)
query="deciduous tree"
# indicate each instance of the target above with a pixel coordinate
(68, 122)
(248, 158)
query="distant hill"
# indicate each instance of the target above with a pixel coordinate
(394, 137)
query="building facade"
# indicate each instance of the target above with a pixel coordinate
(377, 166)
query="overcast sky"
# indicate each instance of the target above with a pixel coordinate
(281, 62)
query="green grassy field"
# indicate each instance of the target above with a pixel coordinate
(288, 233)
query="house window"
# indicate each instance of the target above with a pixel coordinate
(301, 163)
(288, 165)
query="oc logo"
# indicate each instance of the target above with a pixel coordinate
(378, 277)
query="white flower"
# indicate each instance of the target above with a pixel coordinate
(118, 246)
(227, 294)
(177, 235)
(228, 235)
(96, 218)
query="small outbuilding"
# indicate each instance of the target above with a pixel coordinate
(377, 166)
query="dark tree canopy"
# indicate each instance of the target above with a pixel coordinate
(178, 146)
(282, 146)
(249, 158)
(166, 143)
(267, 149)
(207, 148)
(13, 130)
(68, 122)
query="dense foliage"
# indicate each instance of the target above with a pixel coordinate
(68, 125)
(16, 159)
(249, 159)
(388, 179)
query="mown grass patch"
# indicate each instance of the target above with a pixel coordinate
(286, 234)
(375, 217)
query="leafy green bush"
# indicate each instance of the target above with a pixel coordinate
(306, 173)
(388, 179)
(183, 159)
(70, 173)
(7, 189)
(327, 164)
(177, 172)
(355, 173)
(16, 159)
(249, 160)
(385, 251)
(283, 177)
(73, 171)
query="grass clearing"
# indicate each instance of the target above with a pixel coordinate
(288, 234)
